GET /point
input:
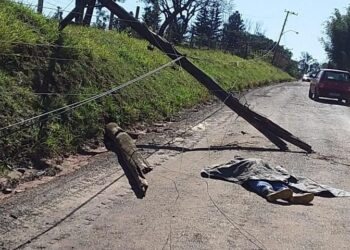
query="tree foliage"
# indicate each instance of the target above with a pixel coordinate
(207, 27)
(175, 16)
(307, 63)
(234, 33)
(337, 42)
(58, 15)
(151, 15)
(103, 17)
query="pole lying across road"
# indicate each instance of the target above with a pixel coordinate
(269, 129)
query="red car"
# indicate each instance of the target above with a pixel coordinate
(331, 83)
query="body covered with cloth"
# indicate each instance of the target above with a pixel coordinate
(242, 170)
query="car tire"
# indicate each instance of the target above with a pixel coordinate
(340, 100)
(310, 94)
(316, 97)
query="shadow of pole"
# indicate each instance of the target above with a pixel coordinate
(213, 148)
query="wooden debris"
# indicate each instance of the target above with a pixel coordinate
(130, 159)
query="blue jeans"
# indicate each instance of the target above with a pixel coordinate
(262, 187)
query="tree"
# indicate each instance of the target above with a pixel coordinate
(177, 31)
(337, 42)
(260, 45)
(259, 31)
(233, 36)
(215, 21)
(207, 27)
(58, 15)
(101, 17)
(174, 13)
(201, 27)
(151, 16)
(305, 62)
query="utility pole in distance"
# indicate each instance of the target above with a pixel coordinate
(283, 27)
(40, 6)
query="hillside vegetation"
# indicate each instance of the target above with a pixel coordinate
(89, 61)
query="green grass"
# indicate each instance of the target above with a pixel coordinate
(99, 61)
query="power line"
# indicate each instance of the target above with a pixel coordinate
(69, 4)
(93, 98)
(54, 5)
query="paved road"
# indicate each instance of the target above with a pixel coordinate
(183, 211)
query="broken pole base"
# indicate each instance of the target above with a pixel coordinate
(131, 161)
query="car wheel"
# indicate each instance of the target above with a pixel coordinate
(316, 97)
(340, 100)
(310, 94)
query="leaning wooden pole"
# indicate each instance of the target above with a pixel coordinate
(89, 12)
(68, 19)
(272, 131)
(80, 4)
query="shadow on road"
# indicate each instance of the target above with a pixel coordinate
(215, 148)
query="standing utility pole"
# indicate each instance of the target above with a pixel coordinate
(40, 6)
(283, 27)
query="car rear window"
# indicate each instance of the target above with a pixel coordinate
(337, 76)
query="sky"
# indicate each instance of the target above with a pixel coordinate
(309, 23)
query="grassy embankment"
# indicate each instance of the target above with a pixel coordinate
(98, 60)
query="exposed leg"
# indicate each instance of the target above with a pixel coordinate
(304, 198)
(271, 191)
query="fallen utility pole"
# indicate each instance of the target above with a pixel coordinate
(269, 129)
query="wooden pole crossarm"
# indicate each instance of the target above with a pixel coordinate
(269, 129)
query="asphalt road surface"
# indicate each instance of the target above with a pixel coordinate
(95, 209)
